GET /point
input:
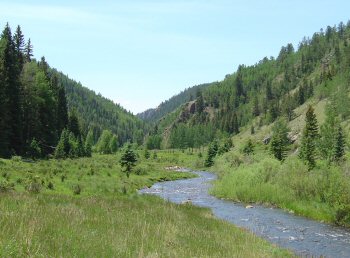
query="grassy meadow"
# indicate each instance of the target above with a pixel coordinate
(88, 208)
(322, 193)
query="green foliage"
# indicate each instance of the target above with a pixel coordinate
(153, 142)
(212, 151)
(128, 159)
(73, 124)
(279, 140)
(339, 151)
(225, 146)
(34, 149)
(267, 90)
(32, 103)
(113, 144)
(248, 148)
(331, 144)
(61, 216)
(76, 189)
(309, 139)
(33, 185)
(63, 147)
(322, 193)
(167, 107)
(5, 186)
(147, 154)
(183, 136)
(107, 143)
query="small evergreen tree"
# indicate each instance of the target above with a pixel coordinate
(34, 149)
(328, 134)
(339, 145)
(80, 152)
(249, 147)
(63, 147)
(279, 139)
(88, 149)
(128, 159)
(73, 124)
(28, 51)
(113, 144)
(308, 141)
(212, 151)
(200, 102)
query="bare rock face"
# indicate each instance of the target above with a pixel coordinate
(192, 107)
(267, 139)
(293, 137)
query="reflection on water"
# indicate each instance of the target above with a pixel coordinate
(305, 237)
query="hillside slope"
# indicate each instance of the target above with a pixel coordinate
(99, 113)
(255, 96)
(154, 114)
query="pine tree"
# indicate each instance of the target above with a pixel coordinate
(256, 109)
(199, 103)
(235, 124)
(328, 133)
(339, 145)
(309, 139)
(73, 124)
(212, 151)
(88, 149)
(9, 74)
(128, 159)
(113, 144)
(28, 51)
(63, 147)
(62, 112)
(19, 46)
(279, 140)
(80, 151)
(90, 138)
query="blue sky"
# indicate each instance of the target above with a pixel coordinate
(139, 53)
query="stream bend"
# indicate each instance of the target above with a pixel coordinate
(303, 236)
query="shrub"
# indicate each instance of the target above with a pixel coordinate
(5, 186)
(140, 170)
(76, 189)
(50, 185)
(33, 185)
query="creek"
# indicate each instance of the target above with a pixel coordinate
(303, 236)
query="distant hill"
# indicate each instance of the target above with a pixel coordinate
(154, 114)
(257, 95)
(98, 113)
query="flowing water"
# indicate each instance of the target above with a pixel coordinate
(303, 236)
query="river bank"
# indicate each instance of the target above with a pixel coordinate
(303, 236)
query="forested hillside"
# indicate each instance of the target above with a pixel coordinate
(32, 103)
(154, 114)
(98, 113)
(42, 108)
(257, 95)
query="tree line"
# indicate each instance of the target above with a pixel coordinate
(33, 104)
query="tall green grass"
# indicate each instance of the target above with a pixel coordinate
(105, 217)
(322, 194)
(138, 226)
